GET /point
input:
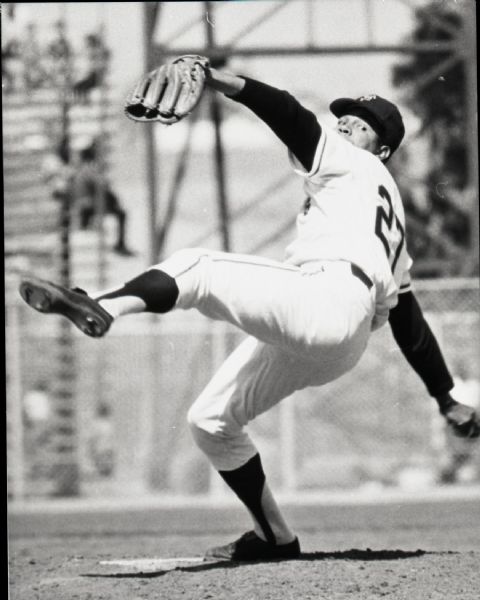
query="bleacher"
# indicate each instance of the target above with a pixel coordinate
(32, 216)
(34, 241)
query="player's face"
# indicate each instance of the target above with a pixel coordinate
(358, 132)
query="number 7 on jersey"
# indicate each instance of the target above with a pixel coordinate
(393, 238)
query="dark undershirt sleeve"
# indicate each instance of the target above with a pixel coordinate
(419, 345)
(296, 126)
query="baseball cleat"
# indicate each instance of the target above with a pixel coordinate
(84, 312)
(249, 547)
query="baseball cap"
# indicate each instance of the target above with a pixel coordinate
(382, 115)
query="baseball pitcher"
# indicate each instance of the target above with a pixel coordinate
(308, 318)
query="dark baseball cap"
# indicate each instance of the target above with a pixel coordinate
(382, 115)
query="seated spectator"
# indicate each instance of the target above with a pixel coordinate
(97, 58)
(59, 53)
(33, 60)
(94, 196)
(58, 173)
(11, 65)
(101, 442)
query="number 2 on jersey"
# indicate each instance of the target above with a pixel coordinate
(391, 220)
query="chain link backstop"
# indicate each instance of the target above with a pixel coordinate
(375, 425)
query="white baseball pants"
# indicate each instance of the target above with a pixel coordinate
(307, 325)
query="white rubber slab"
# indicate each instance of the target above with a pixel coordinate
(153, 565)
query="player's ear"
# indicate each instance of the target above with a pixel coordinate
(383, 153)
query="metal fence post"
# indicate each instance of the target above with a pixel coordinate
(14, 391)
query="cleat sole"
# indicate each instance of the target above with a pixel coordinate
(46, 297)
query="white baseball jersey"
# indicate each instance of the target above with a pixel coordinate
(309, 318)
(355, 215)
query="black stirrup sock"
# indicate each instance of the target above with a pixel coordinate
(158, 290)
(247, 482)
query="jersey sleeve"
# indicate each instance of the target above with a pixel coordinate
(333, 157)
(406, 279)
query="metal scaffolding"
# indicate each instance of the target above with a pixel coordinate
(462, 48)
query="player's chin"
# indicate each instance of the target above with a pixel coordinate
(355, 142)
(363, 145)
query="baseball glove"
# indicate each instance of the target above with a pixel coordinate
(463, 420)
(170, 92)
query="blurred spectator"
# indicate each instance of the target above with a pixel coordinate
(57, 171)
(97, 57)
(34, 74)
(59, 54)
(12, 65)
(36, 404)
(462, 460)
(94, 196)
(37, 427)
(101, 446)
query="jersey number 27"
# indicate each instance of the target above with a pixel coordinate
(390, 219)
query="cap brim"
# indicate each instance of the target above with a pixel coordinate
(341, 106)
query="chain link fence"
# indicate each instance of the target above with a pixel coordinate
(132, 389)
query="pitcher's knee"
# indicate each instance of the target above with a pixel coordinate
(193, 417)
(226, 445)
(206, 432)
(197, 419)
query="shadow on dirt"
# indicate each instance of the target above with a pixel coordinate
(366, 554)
(353, 554)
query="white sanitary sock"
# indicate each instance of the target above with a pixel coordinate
(124, 305)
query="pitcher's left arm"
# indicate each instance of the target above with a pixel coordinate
(421, 349)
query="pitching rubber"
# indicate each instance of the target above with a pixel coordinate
(153, 565)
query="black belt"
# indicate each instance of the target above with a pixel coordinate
(357, 272)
